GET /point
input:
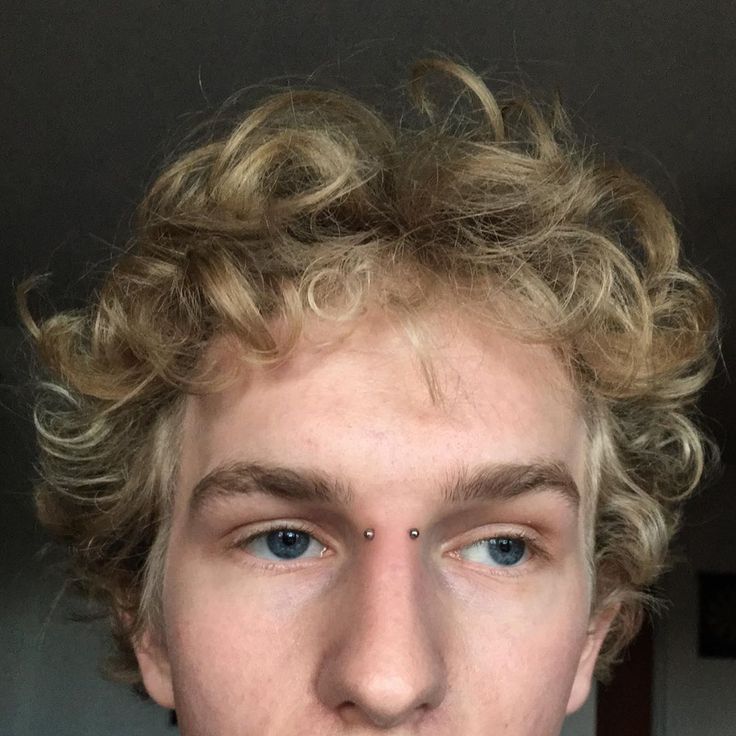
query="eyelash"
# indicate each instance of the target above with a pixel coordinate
(533, 547)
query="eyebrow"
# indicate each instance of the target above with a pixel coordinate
(483, 483)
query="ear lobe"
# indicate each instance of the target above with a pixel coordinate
(153, 661)
(600, 624)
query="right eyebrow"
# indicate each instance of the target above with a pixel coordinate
(244, 478)
(486, 482)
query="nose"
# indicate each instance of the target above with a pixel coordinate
(383, 662)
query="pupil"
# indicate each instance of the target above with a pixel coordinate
(288, 537)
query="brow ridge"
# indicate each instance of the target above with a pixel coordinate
(486, 482)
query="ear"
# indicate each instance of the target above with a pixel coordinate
(599, 626)
(153, 661)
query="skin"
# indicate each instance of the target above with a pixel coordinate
(394, 635)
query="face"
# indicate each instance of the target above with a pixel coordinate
(279, 615)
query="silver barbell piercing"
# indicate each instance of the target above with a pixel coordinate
(370, 533)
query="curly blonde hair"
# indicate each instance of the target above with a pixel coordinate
(313, 204)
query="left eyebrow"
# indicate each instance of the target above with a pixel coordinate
(509, 480)
(486, 482)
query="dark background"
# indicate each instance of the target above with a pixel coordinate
(95, 94)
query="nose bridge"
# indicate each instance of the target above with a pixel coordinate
(390, 596)
(385, 659)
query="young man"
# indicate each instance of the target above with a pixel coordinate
(378, 430)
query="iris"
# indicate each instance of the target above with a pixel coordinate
(506, 550)
(287, 543)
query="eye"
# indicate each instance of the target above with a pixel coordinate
(501, 551)
(282, 544)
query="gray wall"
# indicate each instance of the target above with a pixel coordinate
(695, 695)
(55, 687)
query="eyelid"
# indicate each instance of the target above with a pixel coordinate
(535, 546)
(531, 539)
(297, 526)
(243, 540)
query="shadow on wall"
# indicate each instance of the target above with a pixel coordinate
(708, 227)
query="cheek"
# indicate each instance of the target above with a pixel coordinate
(525, 650)
(522, 675)
(228, 641)
(238, 626)
(230, 661)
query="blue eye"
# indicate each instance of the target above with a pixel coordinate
(285, 543)
(501, 551)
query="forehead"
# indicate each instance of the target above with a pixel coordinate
(354, 403)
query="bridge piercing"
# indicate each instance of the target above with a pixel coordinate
(370, 533)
